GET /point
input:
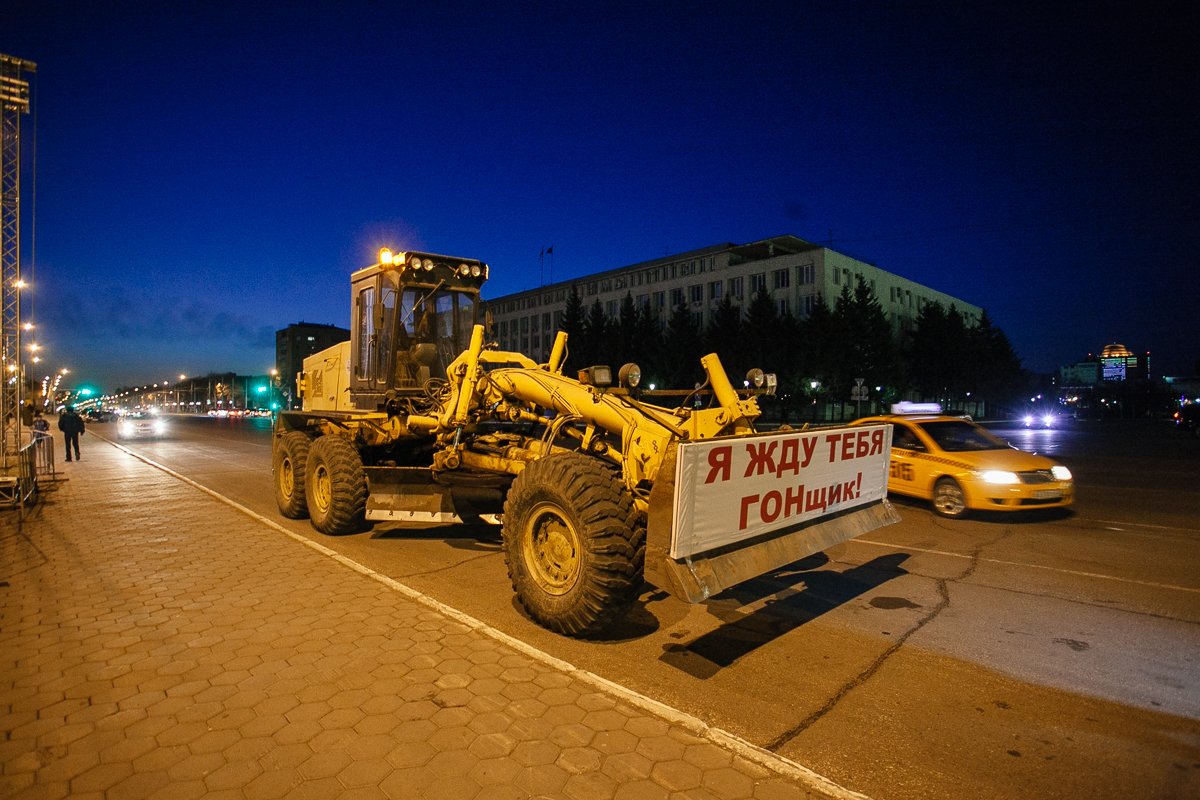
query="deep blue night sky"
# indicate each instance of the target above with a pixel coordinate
(207, 173)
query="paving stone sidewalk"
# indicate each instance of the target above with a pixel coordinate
(158, 643)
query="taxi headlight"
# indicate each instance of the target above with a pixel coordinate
(1060, 472)
(999, 476)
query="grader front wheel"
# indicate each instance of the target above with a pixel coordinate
(335, 487)
(572, 554)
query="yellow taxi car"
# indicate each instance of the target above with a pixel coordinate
(959, 466)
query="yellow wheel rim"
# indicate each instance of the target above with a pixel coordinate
(322, 490)
(551, 548)
(287, 478)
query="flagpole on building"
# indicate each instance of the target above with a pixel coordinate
(542, 267)
(550, 252)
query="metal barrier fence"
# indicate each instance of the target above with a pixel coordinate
(34, 462)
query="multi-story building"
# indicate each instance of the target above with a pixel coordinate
(794, 273)
(295, 343)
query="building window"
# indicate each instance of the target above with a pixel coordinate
(807, 273)
(785, 307)
(643, 301)
(660, 300)
(696, 291)
(714, 290)
(676, 298)
(782, 278)
(610, 308)
(735, 287)
(758, 282)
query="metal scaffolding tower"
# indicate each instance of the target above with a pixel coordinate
(14, 102)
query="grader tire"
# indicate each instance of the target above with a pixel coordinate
(335, 487)
(573, 557)
(289, 462)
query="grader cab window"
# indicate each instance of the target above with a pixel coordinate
(366, 333)
(434, 328)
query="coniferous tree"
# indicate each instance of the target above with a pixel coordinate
(572, 323)
(682, 343)
(874, 347)
(649, 352)
(625, 346)
(724, 335)
(595, 336)
(995, 370)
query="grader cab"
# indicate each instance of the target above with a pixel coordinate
(419, 419)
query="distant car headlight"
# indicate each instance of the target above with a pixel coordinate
(1060, 472)
(126, 429)
(999, 476)
(1048, 420)
(160, 428)
(1028, 420)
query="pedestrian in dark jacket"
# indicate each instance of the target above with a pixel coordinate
(71, 424)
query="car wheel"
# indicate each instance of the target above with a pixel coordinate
(949, 500)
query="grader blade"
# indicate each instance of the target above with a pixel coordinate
(723, 511)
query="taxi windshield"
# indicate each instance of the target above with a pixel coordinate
(956, 436)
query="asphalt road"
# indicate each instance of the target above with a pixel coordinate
(997, 657)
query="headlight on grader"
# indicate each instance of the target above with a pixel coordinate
(386, 257)
(599, 376)
(755, 378)
(630, 375)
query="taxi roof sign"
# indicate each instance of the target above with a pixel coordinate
(905, 407)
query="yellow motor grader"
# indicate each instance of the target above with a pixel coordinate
(418, 418)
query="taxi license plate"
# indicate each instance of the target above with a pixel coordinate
(1047, 494)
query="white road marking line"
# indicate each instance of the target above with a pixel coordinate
(1078, 573)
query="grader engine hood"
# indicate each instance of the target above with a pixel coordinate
(729, 509)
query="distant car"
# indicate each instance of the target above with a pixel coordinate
(1188, 418)
(98, 415)
(139, 425)
(1043, 418)
(959, 466)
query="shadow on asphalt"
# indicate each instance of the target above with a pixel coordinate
(810, 592)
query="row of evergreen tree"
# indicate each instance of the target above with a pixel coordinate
(944, 357)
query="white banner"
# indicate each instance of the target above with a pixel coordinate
(730, 490)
